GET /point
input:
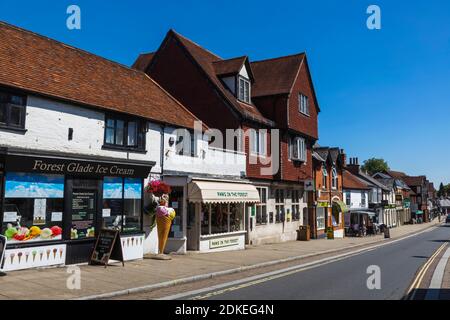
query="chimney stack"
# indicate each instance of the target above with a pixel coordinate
(353, 167)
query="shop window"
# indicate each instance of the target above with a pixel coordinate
(124, 133)
(12, 110)
(279, 205)
(335, 215)
(122, 204)
(222, 218)
(33, 207)
(261, 207)
(296, 205)
(320, 218)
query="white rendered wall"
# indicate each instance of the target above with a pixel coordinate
(48, 122)
(355, 199)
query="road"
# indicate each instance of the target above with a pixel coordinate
(346, 278)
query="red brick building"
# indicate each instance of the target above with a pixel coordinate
(329, 208)
(274, 104)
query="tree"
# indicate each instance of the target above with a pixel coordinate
(375, 165)
(441, 192)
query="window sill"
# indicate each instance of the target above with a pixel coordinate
(127, 149)
(13, 129)
(305, 114)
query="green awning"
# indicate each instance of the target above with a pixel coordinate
(341, 206)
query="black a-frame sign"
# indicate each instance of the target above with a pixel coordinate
(107, 247)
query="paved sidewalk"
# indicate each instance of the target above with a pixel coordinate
(96, 280)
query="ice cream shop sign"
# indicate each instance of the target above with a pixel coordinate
(75, 167)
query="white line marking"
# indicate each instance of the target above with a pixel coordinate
(438, 276)
(290, 270)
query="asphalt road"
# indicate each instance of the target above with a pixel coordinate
(347, 278)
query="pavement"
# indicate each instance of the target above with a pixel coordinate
(149, 274)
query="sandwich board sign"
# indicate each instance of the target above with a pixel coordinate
(107, 247)
(2, 251)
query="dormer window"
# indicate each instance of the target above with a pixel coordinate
(244, 90)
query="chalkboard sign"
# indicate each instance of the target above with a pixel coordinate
(2, 252)
(107, 247)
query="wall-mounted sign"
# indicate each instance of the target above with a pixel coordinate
(56, 166)
(324, 204)
(309, 185)
(224, 242)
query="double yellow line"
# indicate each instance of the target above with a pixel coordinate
(411, 293)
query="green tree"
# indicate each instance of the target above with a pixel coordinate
(375, 165)
(441, 192)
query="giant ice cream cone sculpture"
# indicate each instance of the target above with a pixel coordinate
(164, 217)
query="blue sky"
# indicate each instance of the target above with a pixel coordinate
(382, 93)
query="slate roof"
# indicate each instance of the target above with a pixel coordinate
(43, 66)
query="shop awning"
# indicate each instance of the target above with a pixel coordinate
(341, 205)
(221, 192)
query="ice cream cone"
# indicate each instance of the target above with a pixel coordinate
(20, 256)
(132, 241)
(60, 252)
(34, 253)
(26, 257)
(54, 253)
(41, 254)
(12, 257)
(163, 224)
(48, 254)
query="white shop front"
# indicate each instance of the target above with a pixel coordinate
(217, 216)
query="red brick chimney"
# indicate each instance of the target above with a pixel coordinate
(354, 166)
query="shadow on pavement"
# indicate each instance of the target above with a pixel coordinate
(439, 241)
(420, 294)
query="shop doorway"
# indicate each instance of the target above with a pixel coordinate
(82, 207)
(193, 227)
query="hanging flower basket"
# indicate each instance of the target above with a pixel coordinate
(157, 188)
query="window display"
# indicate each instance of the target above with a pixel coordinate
(122, 204)
(222, 218)
(33, 207)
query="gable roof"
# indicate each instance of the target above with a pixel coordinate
(206, 60)
(44, 66)
(414, 181)
(396, 174)
(233, 66)
(278, 75)
(374, 181)
(143, 61)
(352, 182)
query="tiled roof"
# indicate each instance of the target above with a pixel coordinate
(143, 61)
(276, 76)
(230, 66)
(352, 182)
(47, 67)
(414, 181)
(396, 174)
(206, 60)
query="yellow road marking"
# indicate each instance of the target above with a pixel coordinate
(418, 280)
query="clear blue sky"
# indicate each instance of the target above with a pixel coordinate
(382, 93)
